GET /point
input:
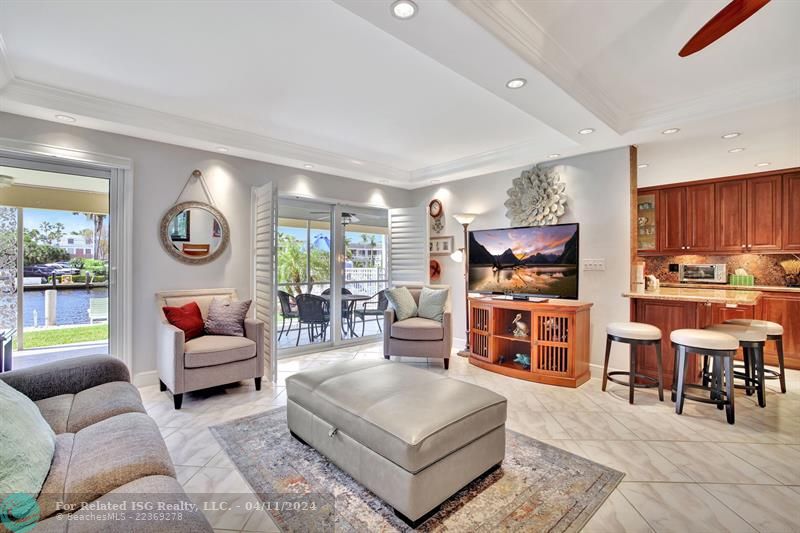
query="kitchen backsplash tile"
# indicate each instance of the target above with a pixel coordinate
(766, 268)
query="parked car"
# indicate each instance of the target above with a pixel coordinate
(37, 271)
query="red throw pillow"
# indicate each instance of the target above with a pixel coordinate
(187, 318)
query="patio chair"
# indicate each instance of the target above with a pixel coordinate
(368, 310)
(347, 310)
(312, 312)
(98, 310)
(288, 310)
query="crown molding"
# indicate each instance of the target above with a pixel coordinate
(513, 26)
(782, 87)
(126, 119)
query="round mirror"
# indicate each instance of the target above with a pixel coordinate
(194, 232)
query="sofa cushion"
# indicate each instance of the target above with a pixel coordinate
(211, 350)
(68, 413)
(403, 303)
(410, 416)
(113, 452)
(418, 329)
(186, 318)
(227, 317)
(27, 443)
(150, 489)
(53, 489)
(432, 303)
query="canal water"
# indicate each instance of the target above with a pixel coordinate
(72, 305)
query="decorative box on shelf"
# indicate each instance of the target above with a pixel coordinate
(555, 350)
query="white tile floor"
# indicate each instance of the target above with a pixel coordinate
(691, 473)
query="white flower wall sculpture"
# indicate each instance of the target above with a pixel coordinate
(536, 198)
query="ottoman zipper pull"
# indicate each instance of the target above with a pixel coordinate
(332, 432)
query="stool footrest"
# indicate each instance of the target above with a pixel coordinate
(652, 382)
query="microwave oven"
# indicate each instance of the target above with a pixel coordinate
(717, 273)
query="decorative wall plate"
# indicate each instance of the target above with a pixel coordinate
(536, 198)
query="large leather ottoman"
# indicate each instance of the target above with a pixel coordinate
(412, 437)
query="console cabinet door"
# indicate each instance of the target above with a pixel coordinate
(731, 213)
(672, 220)
(791, 212)
(764, 214)
(700, 217)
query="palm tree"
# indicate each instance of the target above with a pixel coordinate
(98, 221)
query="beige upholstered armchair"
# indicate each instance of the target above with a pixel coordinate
(418, 337)
(209, 360)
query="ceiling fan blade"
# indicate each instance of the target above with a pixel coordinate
(727, 19)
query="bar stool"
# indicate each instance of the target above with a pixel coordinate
(774, 333)
(751, 340)
(634, 334)
(722, 347)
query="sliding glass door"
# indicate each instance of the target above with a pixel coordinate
(332, 267)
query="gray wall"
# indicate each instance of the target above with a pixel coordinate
(597, 186)
(160, 171)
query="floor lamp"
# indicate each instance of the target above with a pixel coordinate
(462, 255)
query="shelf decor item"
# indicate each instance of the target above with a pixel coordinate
(520, 327)
(523, 359)
(536, 198)
(792, 269)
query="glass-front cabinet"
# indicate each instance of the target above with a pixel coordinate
(646, 221)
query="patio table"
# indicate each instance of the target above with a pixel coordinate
(350, 300)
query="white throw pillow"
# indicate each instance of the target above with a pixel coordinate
(27, 444)
(431, 303)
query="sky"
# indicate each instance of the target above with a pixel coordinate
(526, 241)
(32, 219)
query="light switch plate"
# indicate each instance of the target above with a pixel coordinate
(594, 264)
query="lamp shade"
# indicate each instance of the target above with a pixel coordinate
(457, 256)
(465, 218)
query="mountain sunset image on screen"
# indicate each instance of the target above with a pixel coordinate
(539, 260)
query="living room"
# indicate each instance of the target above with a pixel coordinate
(383, 189)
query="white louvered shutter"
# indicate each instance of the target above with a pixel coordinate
(265, 212)
(408, 245)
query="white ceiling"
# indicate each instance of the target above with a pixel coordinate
(344, 86)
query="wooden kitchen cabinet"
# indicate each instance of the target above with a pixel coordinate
(667, 316)
(672, 220)
(720, 313)
(731, 211)
(783, 308)
(764, 214)
(700, 218)
(791, 212)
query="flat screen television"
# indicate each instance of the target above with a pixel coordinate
(536, 260)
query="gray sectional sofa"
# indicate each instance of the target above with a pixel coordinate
(107, 449)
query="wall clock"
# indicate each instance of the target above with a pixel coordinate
(436, 211)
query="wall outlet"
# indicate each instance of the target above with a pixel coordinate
(594, 264)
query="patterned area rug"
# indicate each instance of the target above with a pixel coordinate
(539, 487)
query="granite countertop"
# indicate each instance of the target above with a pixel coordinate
(762, 288)
(705, 295)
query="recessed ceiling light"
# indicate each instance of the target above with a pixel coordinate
(553, 156)
(642, 165)
(763, 164)
(670, 131)
(404, 9)
(222, 149)
(308, 166)
(731, 135)
(586, 131)
(516, 83)
(736, 150)
(65, 118)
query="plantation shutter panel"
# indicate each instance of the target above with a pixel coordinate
(265, 213)
(408, 245)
